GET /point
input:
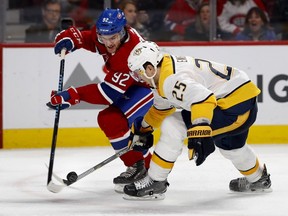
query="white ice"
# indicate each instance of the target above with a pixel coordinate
(193, 190)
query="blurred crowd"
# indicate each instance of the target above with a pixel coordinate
(162, 20)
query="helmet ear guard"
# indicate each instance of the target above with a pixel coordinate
(111, 21)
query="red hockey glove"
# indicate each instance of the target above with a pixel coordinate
(65, 98)
(200, 142)
(70, 39)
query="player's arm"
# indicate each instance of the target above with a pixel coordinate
(88, 38)
(200, 141)
(154, 117)
(200, 101)
(72, 39)
(192, 96)
(158, 112)
(97, 93)
(202, 111)
(104, 93)
(72, 96)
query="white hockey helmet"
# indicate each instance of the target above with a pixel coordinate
(144, 52)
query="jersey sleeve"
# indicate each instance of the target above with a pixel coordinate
(99, 93)
(155, 117)
(159, 111)
(88, 40)
(92, 94)
(203, 111)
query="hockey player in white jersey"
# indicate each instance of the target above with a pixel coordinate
(218, 106)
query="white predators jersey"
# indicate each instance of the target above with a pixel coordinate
(186, 82)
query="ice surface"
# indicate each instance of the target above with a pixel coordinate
(200, 191)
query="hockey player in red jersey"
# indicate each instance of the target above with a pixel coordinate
(126, 99)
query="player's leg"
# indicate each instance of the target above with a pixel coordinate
(233, 146)
(136, 102)
(114, 124)
(115, 121)
(245, 160)
(166, 152)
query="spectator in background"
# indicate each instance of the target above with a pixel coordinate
(232, 13)
(278, 14)
(136, 19)
(46, 30)
(30, 9)
(181, 14)
(200, 29)
(156, 11)
(256, 27)
(83, 12)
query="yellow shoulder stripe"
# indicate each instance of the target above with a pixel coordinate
(167, 69)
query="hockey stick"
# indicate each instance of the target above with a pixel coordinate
(56, 121)
(56, 188)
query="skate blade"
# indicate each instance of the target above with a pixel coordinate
(118, 188)
(153, 197)
(258, 191)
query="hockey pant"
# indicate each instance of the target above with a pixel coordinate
(116, 120)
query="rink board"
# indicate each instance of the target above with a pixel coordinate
(83, 137)
(30, 73)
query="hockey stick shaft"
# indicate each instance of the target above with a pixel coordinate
(57, 117)
(101, 164)
(56, 188)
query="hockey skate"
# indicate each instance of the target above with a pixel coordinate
(132, 174)
(146, 189)
(243, 185)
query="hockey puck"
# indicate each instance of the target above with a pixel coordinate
(72, 177)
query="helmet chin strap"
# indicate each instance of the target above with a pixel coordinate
(153, 83)
(151, 78)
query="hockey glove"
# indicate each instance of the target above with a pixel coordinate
(200, 142)
(70, 39)
(143, 136)
(65, 98)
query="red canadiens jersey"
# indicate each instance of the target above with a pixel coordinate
(118, 77)
(232, 16)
